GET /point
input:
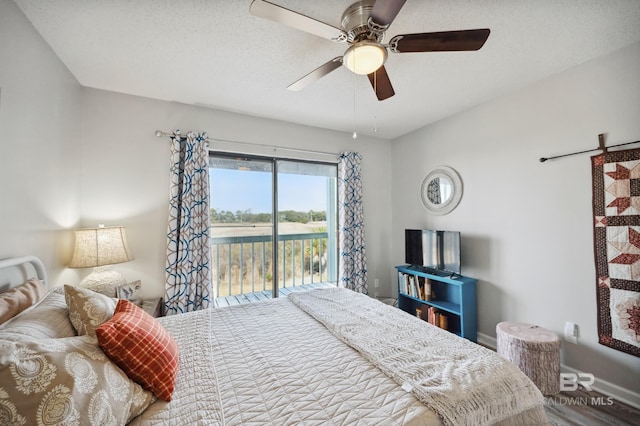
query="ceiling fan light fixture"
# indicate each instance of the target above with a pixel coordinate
(364, 57)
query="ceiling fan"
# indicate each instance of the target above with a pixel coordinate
(364, 24)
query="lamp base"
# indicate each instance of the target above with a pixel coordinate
(104, 280)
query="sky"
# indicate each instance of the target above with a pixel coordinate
(234, 190)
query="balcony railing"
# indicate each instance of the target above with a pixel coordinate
(243, 264)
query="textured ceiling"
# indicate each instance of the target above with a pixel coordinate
(214, 53)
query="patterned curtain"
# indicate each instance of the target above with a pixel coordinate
(188, 273)
(353, 260)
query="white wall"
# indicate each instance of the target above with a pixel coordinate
(527, 226)
(125, 172)
(39, 127)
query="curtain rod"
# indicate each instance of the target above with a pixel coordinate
(600, 147)
(160, 133)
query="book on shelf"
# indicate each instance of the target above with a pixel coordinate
(433, 316)
(421, 294)
(412, 291)
(443, 321)
(403, 281)
(427, 289)
(415, 291)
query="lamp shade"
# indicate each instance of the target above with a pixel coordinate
(100, 246)
(364, 57)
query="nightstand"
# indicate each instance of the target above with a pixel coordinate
(153, 306)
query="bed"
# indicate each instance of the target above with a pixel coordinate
(326, 356)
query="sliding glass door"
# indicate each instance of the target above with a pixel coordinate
(306, 226)
(241, 225)
(256, 201)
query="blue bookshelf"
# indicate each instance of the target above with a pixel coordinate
(453, 296)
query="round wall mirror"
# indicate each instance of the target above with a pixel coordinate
(441, 190)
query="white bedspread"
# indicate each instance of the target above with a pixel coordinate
(271, 363)
(464, 383)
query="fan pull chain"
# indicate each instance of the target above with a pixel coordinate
(355, 135)
(375, 89)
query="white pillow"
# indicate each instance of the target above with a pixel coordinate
(47, 319)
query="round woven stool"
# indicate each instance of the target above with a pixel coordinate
(535, 350)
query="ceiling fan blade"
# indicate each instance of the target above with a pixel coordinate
(385, 11)
(281, 15)
(317, 74)
(445, 41)
(381, 84)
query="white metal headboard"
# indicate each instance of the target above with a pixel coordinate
(16, 270)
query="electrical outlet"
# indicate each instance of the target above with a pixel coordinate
(571, 332)
(376, 283)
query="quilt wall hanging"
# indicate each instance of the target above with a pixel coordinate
(616, 211)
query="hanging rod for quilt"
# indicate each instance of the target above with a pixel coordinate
(600, 147)
(160, 133)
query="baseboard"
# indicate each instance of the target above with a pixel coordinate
(488, 341)
(619, 393)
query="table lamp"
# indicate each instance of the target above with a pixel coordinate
(99, 248)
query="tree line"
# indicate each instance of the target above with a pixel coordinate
(246, 216)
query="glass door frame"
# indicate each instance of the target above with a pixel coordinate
(331, 218)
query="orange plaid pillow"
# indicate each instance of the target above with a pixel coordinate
(141, 347)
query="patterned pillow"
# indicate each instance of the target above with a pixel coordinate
(19, 298)
(48, 319)
(65, 381)
(87, 309)
(137, 343)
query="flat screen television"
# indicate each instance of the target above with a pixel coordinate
(433, 250)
